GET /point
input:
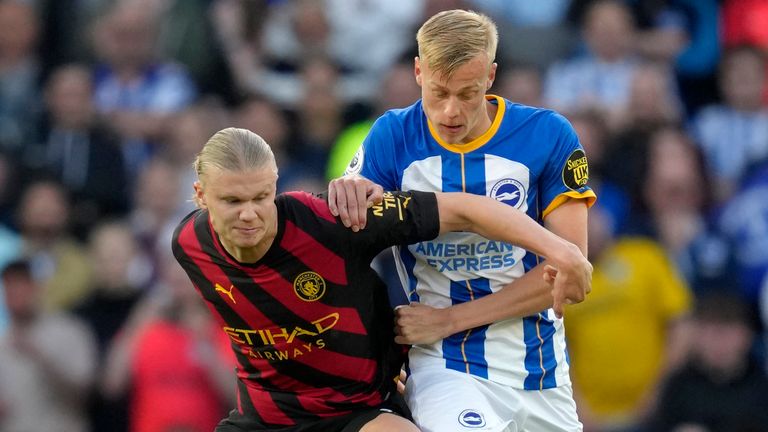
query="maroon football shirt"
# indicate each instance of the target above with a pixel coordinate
(310, 323)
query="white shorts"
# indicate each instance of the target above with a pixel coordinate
(444, 400)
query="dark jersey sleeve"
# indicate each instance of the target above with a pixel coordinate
(401, 218)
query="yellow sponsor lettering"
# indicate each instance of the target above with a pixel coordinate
(282, 335)
(232, 333)
(577, 163)
(326, 323)
(390, 201)
(287, 354)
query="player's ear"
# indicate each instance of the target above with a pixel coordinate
(199, 196)
(417, 70)
(492, 74)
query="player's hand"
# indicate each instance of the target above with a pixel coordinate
(421, 324)
(570, 274)
(400, 381)
(349, 197)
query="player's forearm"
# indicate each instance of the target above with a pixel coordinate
(497, 221)
(525, 296)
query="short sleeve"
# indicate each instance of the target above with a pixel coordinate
(567, 172)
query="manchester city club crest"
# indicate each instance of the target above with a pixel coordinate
(509, 191)
(309, 286)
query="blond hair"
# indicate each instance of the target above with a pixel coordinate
(451, 38)
(234, 149)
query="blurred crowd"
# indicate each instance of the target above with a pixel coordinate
(104, 104)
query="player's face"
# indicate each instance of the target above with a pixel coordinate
(241, 206)
(456, 105)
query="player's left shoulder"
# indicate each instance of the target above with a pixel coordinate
(537, 117)
(296, 202)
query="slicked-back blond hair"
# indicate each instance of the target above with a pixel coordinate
(234, 149)
(451, 38)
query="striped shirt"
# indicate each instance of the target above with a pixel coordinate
(309, 322)
(530, 159)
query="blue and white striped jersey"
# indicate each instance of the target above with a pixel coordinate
(531, 159)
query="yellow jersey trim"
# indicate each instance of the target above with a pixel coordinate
(563, 197)
(479, 141)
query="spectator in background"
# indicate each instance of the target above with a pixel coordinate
(745, 22)
(19, 75)
(722, 388)
(632, 331)
(535, 33)
(744, 223)
(259, 114)
(319, 117)
(665, 176)
(47, 361)
(79, 151)
(158, 202)
(521, 84)
(173, 358)
(119, 281)
(675, 200)
(186, 35)
(601, 77)
(653, 101)
(398, 89)
(683, 34)
(347, 32)
(191, 127)
(58, 261)
(136, 92)
(734, 134)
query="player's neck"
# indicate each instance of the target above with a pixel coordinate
(249, 255)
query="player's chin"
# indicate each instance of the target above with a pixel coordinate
(452, 135)
(251, 240)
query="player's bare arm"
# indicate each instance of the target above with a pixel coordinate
(533, 292)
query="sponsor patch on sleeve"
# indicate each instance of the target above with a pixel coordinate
(356, 164)
(576, 170)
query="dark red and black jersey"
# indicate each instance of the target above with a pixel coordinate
(310, 322)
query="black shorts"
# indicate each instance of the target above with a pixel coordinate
(346, 423)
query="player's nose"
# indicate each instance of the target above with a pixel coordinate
(249, 213)
(451, 108)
